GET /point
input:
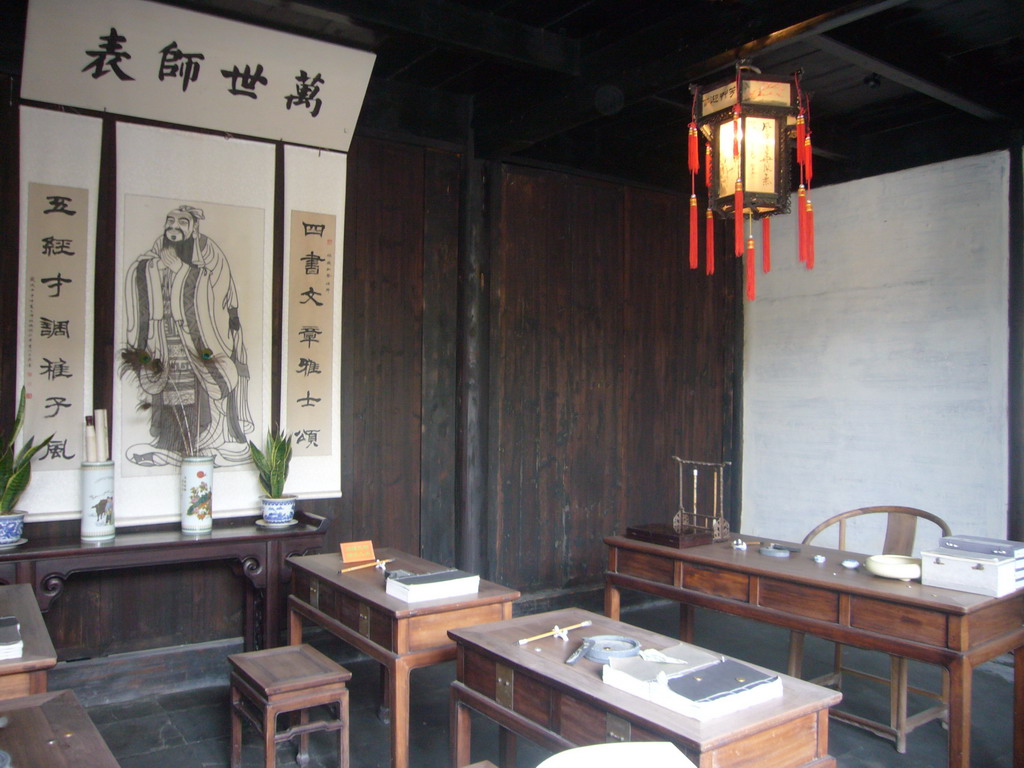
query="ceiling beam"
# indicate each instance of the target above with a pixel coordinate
(454, 25)
(510, 121)
(931, 85)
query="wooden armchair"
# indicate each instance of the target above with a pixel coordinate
(900, 532)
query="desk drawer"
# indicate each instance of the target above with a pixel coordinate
(345, 609)
(644, 566)
(897, 620)
(583, 724)
(799, 600)
(715, 581)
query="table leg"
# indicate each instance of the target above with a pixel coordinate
(506, 748)
(611, 601)
(459, 731)
(236, 729)
(398, 700)
(294, 628)
(686, 622)
(1018, 707)
(960, 679)
(383, 696)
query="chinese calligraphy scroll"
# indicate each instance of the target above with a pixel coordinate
(150, 60)
(60, 159)
(311, 335)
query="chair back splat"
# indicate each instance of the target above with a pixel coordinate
(900, 532)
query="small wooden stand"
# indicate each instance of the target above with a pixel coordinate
(690, 528)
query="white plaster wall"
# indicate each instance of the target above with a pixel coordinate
(880, 377)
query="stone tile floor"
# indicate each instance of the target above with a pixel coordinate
(192, 728)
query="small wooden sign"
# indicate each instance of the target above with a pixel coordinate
(357, 551)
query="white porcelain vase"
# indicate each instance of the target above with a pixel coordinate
(197, 494)
(97, 500)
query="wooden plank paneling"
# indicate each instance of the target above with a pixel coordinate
(382, 316)
(556, 336)
(678, 361)
(608, 356)
(440, 314)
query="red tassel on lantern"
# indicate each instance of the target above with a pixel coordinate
(738, 216)
(801, 222)
(707, 165)
(693, 232)
(810, 235)
(694, 157)
(766, 244)
(710, 244)
(808, 163)
(800, 136)
(751, 271)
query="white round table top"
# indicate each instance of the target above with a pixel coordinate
(650, 754)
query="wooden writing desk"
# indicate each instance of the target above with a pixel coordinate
(957, 630)
(258, 555)
(27, 674)
(530, 691)
(51, 730)
(399, 635)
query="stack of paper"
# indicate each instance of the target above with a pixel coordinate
(11, 646)
(694, 682)
(432, 586)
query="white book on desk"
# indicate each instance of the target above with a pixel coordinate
(432, 586)
(703, 692)
(636, 675)
(11, 645)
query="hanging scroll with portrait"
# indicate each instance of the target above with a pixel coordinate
(193, 315)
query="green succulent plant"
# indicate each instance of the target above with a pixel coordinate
(16, 467)
(272, 462)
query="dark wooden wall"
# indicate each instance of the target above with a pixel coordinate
(606, 356)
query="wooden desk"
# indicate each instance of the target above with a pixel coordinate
(957, 630)
(528, 690)
(399, 635)
(51, 730)
(258, 554)
(27, 674)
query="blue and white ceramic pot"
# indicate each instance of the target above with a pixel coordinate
(11, 526)
(278, 511)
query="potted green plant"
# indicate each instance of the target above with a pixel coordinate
(272, 463)
(15, 474)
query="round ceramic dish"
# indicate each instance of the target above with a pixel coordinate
(894, 566)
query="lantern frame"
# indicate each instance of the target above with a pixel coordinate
(767, 109)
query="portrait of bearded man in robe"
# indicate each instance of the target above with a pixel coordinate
(186, 348)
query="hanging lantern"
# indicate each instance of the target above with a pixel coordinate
(749, 123)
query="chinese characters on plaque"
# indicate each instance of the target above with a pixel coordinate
(55, 320)
(309, 327)
(155, 61)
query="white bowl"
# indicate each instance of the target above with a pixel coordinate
(894, 566)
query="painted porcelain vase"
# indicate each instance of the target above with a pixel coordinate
(97, 500)
(197, 494)
(278, 511)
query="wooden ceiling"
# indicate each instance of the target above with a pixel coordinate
(604, 85)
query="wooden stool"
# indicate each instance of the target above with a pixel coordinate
(292, 678)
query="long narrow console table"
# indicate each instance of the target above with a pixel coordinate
(957, 630)
(258, 554)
